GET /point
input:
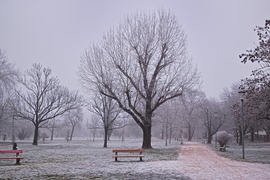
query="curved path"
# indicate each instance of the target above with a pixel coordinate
(200, 162)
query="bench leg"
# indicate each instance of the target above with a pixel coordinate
(116, 155)
(17, 160)
(141, 159)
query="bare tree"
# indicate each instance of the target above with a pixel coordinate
(42, 98)
(191, 103)
(93, 126)
(231, 100)
(141, 64)
(24, 129)
(168, 115)
(75, 118)
(254, 110)
(213, 118)
(8, 75)
(108, 111)
(52, 125)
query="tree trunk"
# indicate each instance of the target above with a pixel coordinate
(166, 135)
(162, 132)
(240, 138)
(94, 134)
(209, 137)
(267, 136)
(147, 137)
(52, 133)
(71, 134)
(105, 137)
(252, 135)
(189, 132)
(171, 131)
(35, 141)
(109, 133)
(237, 137)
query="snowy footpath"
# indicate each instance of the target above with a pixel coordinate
(202, 163)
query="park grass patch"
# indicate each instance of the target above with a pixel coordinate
(162, 154)
(258, 152)
(82, 159)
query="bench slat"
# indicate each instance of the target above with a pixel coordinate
(128, 150)
(11, 157)
(11, 151)
(128, 156)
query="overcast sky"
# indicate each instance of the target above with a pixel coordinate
(55, 33)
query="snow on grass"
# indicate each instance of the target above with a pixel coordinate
(84, 159)
(254, 152)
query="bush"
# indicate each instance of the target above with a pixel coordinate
(223, 139)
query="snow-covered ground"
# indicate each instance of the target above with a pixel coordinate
(84, 159)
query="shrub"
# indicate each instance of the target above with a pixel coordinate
(223, 138)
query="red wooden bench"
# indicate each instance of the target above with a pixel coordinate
(133, 153)
(16, 152)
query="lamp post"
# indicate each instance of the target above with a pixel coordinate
(242, 128)
(242, 91)
(215, 116)
(13, 131)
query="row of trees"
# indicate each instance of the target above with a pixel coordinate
(35, 96)
(252, 116)
(140, 70)
(136, 70)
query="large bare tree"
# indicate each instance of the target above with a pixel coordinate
(141, 64)
(41, 98)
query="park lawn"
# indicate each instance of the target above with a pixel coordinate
(85, 159)
(254, 152)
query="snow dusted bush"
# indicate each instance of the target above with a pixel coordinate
(223, 138)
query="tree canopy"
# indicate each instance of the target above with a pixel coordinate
(141, 64)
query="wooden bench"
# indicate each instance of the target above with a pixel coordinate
(132, 153)
(16, 152)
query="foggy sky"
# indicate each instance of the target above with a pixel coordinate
(55, 33)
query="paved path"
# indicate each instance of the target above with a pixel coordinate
(200, 162)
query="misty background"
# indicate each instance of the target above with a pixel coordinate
(56, 34)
